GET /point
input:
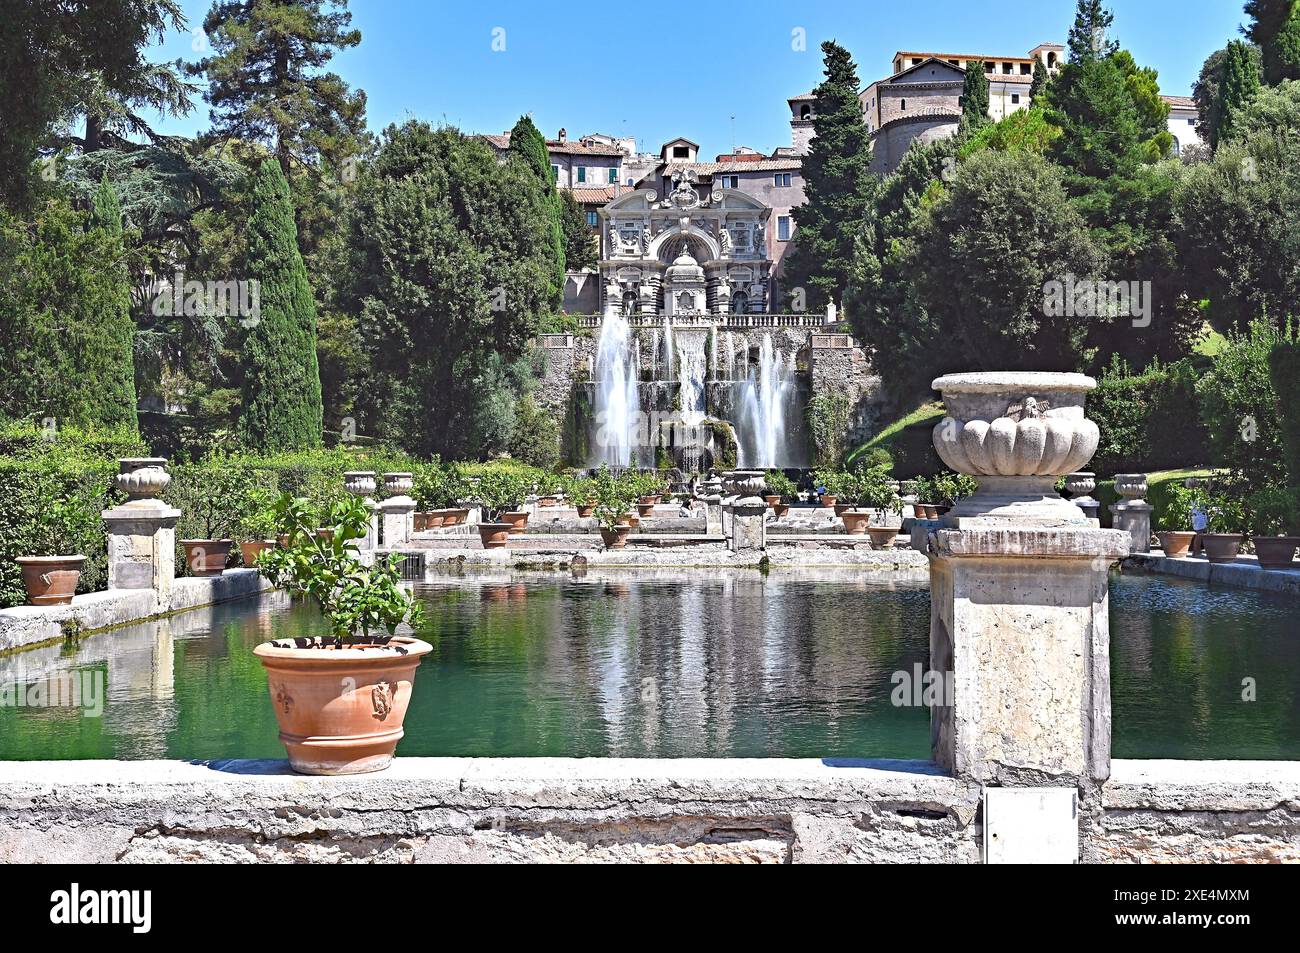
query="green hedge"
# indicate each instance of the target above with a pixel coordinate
(1284, 371)
(1149, 421)
(53, 487)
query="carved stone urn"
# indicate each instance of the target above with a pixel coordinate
(1080, 487)
(1131, 487)
(398, 484)
(1016, 433)
(360, 483)
(143, 480)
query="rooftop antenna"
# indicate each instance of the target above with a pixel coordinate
(733, 135)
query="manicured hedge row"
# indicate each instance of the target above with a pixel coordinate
(1148, 421)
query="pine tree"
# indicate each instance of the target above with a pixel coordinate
(838, 186)
(282, 395)
(975, 97)
(1088, 37)
(1276, 30)
(1039, 85)
(265, 83)
(1237, 90)
(580, 249)
(112, 375)
(528, 143)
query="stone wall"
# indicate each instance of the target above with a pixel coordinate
(605, 810)
(840, 368)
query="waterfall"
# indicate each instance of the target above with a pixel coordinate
(766, 397)
(654, 354)
(617, 397)
(689, 435)
(668, 348)
(713, 352)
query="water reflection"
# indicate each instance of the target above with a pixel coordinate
(667, 664)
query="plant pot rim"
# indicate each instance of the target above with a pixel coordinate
(49, 560)
(493, 525)
(317, 658)
(1222, 536)
(218, 540)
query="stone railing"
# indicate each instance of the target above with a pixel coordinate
(722, 321)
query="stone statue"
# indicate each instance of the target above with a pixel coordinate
(614, 243)
(724, 238)
(759, 238)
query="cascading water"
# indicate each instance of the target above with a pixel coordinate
(617, 399)
(691, 365)
(668, 348)
(767, 395)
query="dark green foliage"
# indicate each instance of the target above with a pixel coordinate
(580, 247)
(282, 396)
(116, 382)
(53, 486)
(1149, 421)
(1039, 86)
(58, 60)
(828, 417)
(537, 435)
(266, 84)
(1238, 88)
(1088, 40)
(1275, 28)
(1102, 130)
(64, 320)
(838, 186)
(975, 97)
(528, 145)
(1284, 372)
(450, 277)
(1207, 91)
(985, 296)
(1239, 406)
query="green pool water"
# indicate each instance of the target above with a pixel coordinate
(687, 665)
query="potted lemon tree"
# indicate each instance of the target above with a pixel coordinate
(614, 497)
(340, 697)
(1276, 522)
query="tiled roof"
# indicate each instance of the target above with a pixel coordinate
(1185, 102)
(763, 165)
(568, 147)
(599, 196)
(968, 57)
(811, 94)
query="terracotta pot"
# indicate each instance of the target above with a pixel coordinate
(517, 519)
(50, 580)
(1175, 542)
(842, 508)
(586, 509)
(632, 520)
(615, 538)
(1276, 552)
(341, 710)
(419, 521)
(828, 500)
(548, 501)
(250, 549)
(1222, 547)
(455, 517)
(772, 500)
(650, 498)
(940, 509)
(645, 509)
(780, 509)
(855, 521)
(207, 557)
(282, 540)
(494, 535)
(926, 511)
(435, 518)
(882, 537)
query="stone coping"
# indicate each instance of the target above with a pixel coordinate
(897, 560)
(22, 626)
(1243, 573)
(614, 809)
(1063, 542)
(991, 382)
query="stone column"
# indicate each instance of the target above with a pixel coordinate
(361, 483)
(748, 523)
(1132, 514)
(1019, 593)
(142, 531)
(397, 511)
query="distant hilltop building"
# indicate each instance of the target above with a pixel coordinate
(1183, 119)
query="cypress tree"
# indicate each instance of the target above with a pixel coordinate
(1237, 90)
(975, 97)
(838, 186)
(282, 397)
(1088, 40)
(528, 143)
(1276, 30)
(111, 354)
(1039, 85)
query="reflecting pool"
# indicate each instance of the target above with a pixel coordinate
(657, 665)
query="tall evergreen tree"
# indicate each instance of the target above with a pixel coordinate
(1275, 28)
(529, 145)
(580, 249)
(266, 84)
(838, 186)
(1239, 87)
(282, 396)
(1089, 38)
(1039, 85)
(975, 97)
(114, 378)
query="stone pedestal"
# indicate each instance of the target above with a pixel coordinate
(1019, 627)
(748, 525)
(1132, 514)
(142, 531)
(361, 483)
(397, 513)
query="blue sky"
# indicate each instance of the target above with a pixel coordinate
(714, 73)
